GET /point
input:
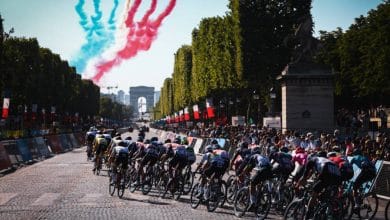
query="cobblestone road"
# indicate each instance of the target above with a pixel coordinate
(64, 187)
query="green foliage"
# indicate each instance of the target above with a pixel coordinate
(113, 110)
(34, 75)
(360, 57)
(181, 77)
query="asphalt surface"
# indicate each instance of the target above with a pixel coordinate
(64, 187)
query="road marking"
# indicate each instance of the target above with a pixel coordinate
(5, 197)
(90, 199)
(46, 199)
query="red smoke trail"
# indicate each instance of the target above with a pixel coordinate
(139, 38)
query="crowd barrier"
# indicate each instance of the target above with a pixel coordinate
(14, 153)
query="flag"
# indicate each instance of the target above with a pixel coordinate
(176, 117)
(195, 108)
(5, 108)
(210, 108)
(181, 115)
(34, 110)
(186, 114)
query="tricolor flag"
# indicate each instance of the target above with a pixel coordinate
(186, 114)
(210, 108)
(181, 115)
(195, 108)
(5, 108)
(176, 117)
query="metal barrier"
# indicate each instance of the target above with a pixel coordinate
(382, 185)
(13, 152)
(5, 162)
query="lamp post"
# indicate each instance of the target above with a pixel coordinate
(256, 97)
(272, 95)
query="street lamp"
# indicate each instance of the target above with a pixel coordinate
(272, 95)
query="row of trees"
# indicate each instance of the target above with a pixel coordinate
(360, 58)
(233, 56)
(238, 55)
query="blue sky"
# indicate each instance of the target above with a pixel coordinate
(55, 24)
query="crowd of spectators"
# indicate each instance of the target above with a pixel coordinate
(376, 145)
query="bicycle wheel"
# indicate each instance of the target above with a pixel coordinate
(295, 210)
(189, 181)
(178, 188)
(369, 207)
(223, 193)
(133, 181)
(214, 198)
(121, 187)
(231, 191)
(196, 196)
(241, 202)
(263, 203)
(111, 187)
(387, 214)
(162, 184)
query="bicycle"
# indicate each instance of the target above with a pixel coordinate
(117, 183)
(262, 205)
(188, 180)
(216, 192)
(175, 184)
(368, 200)
(297, 207)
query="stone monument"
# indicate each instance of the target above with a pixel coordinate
(307, 87)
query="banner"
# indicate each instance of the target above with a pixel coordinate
(5, 108)
(272, 122)
(210, 108)
(186, 114)
(238, 120)
(195, 108)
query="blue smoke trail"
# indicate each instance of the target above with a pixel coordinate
(98, 37)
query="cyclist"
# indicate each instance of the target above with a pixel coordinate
(282, 163)
(149, 154)
(179, 157)
(328, 175)
(368, 172)
(342, 162)
(90, 137)
(100, 144)
(299, 159)
(263, 172)
(119, 155)
(240, 155)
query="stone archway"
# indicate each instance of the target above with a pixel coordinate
(141, 92)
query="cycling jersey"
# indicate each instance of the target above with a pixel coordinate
(217, 158)
(190, 154)
(300, 158)
(180, 151)
(151, 149)
(259, 161)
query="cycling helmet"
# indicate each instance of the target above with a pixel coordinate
(140, 139)
(332, 154)
(357, 151)
(122, 143)
(177, 140)
(284, 149)
(128, 138)
(299, 150)
(244, 144)
(274, 149)
(217, 146)
(117, 134)
(322, 154)
(256, 150)
(154, 139)
(209, 148)
(168, 141)
(336, 148)
(147, 141)
(214, 142)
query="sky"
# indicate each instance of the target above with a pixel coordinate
(55, 24)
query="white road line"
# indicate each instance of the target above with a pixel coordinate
(46, 199)
(5, 197)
